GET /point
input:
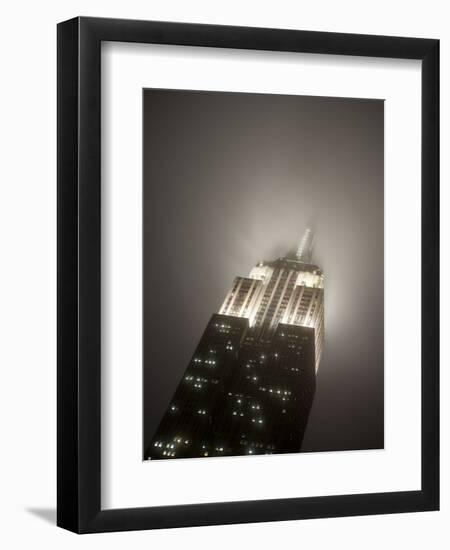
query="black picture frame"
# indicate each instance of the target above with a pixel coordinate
(79, 280)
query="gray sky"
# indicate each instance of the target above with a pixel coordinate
(232, 179)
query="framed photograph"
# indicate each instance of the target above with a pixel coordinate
(248, 275)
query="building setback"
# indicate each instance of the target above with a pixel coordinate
(250, 384)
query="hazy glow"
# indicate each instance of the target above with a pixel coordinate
(304, 250)
(293, 294)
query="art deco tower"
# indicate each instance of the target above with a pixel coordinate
(250, 384)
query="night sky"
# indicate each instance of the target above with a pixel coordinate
(231, 179)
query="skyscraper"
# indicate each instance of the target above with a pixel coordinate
(250, 384)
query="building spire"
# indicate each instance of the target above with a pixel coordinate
(304, 250)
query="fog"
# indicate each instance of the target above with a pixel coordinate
(232, 179)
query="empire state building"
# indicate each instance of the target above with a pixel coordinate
(250, 384)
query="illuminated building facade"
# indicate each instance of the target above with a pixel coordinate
(250, 384)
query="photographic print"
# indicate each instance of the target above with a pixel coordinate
(263, 274)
